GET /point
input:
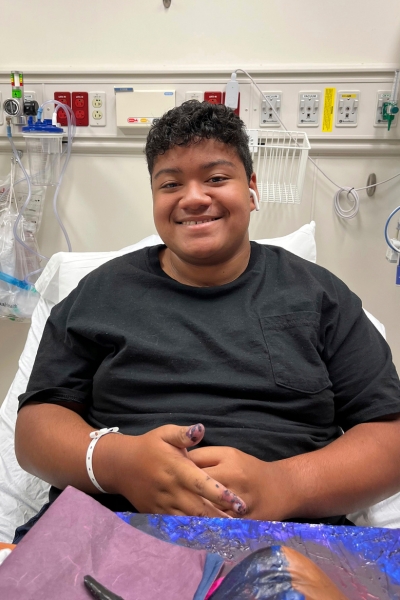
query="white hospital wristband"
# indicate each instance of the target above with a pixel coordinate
(96, 435)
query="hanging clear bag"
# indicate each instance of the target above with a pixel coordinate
(18, 296)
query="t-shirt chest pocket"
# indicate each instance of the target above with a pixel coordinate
(291, 340)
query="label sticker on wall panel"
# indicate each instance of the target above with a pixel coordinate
(329, 103)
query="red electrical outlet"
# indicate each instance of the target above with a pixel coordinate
(65, 98)
(236, 111)
(80, 107)
(213, 97)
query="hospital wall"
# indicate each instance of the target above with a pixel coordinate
(105, 200)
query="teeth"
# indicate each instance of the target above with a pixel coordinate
(199, 222)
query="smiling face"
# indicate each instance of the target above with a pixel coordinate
(202, 203)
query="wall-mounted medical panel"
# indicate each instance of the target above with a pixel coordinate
(138, 108)
(121, 123)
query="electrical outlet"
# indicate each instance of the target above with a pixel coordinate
(267, 115)
(97, 109)
(213, 97)
(381, 97)
(79, 102)
(80, 107)
(309, 109)
(347, 108)
(194, 96)
(64, 98)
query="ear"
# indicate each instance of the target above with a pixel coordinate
(255, 199)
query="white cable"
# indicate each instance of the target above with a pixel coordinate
(351, 191)
(355, 199)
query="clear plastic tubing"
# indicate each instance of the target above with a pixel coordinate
(71, 131)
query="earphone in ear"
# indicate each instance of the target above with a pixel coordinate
(254, 196)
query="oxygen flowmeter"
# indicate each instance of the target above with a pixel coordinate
(16, 107)
(390, 108)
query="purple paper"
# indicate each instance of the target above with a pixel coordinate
(76, 537)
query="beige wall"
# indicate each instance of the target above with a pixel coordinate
(105, 200)
(122, 34)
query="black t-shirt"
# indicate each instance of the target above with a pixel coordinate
(275, 363)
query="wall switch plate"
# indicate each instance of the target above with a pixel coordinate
(381, 97)
(267, 115)
(309, 109)
(347, 108)
(97, 109)
(194, 96)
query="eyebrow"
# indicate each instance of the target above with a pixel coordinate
(216, 163)
(209, 165)
(171, 170)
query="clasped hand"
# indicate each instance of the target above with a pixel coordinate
(162, 477)
(158, 477)
(260, 484)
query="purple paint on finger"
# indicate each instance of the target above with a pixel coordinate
(237, 503)
(240, 508)
(195, 432)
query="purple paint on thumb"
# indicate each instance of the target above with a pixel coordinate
(195, 432)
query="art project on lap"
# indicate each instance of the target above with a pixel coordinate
(79, 544)
(364, 563)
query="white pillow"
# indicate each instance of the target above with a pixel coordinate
(64, 270)
(300, 242)
(21, 494)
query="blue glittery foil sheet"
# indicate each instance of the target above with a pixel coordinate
(364, 563)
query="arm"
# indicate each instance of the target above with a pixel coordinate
(357, 470)
(52, 436)
(360, 468)
(152, 470)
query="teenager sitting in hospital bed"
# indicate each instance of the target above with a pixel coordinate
(229, 367)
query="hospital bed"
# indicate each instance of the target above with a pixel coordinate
(21, 494)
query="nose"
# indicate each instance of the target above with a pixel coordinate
(194, 197)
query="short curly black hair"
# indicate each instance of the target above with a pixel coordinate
(194, 121)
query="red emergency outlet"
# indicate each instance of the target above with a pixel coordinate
(213, 97)
(65, 98)
(80, 107)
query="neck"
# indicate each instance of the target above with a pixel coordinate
(204, 275)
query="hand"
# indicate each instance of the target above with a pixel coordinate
(260, 484)
(158, 477)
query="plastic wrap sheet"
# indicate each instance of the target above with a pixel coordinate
(77, 537)
(363, 562)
